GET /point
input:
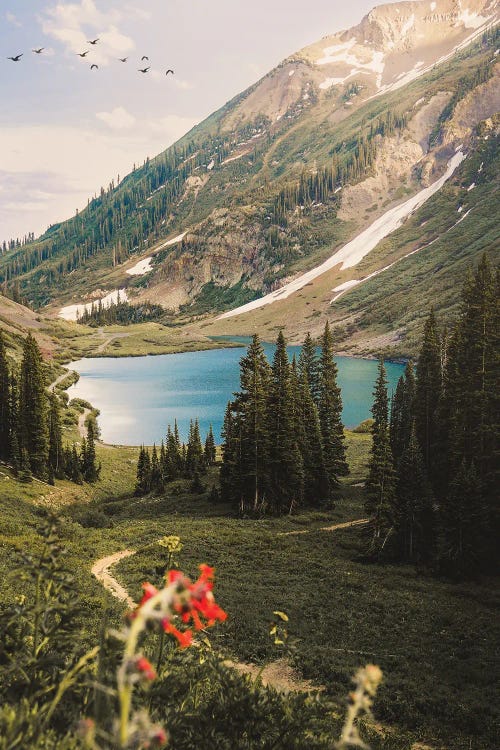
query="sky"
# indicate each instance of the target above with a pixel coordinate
(65, 129)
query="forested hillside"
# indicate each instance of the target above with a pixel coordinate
(255, 198)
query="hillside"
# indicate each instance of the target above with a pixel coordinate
(288, 172)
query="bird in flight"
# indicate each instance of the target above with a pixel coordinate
(143, 70)
(82, 54)
(16, 58)
(169, 71)
(144, 57)
(123, 59)
(94, 66)
(38, 51)
(94, 41)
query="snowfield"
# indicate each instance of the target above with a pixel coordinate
(71, 312)
(352, 253)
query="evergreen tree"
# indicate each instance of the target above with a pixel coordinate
(463, 523)
(194, 454)
(210, 450)
(155, 469)
(402, 413)
(34, 436)
(316, 485)
(413, 512)
(89, 466)
(143, 479)
(75, 470)
(309, 366)
(56, 458)
(330, 414)
(5, 397)
(251, 405)
(229, 471)
(172, 465)
(25, 474)
(427, 394)
(380, 486)
(15, 448)
(286, 473)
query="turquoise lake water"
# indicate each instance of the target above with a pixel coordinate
(139, 396)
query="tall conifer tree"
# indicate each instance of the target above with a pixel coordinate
(34, 436)
(330, 414)
(427, 393)
(251, 404)
(380, 486)
(286, 474)
(56, 458)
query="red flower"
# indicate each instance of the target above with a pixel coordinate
(149, 592)
(145, 668)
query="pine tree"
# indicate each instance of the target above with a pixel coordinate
(463, 523)
(172, 466)
(143, 478)
(309, 366)
(75, 469)
(155, 469)
(56, 459)
(210, 450)
(402, 413)
(251, 406)
(286, 473)
(330, 414)
(413, 512)
(427, 394)
(194, 454)
(5, 396)
(34, 436)
(380, 486)
(89, 466)
(229, 471)
(316, 485)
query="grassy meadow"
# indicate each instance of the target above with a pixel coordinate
(433, 639)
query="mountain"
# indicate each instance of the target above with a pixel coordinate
(285, 175)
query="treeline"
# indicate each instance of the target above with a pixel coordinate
(126, 216)
(13, 244)
(30, 425)
(283, 436)
(433, 479)
(350, 162)
(175, 460)
(120, 313)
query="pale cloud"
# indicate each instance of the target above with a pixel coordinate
(183, 85)
(73, 24)
(50, 171)
(117, 119)
(11, 18)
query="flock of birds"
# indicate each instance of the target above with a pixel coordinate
(93, 42)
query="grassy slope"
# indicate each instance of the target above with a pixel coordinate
(302, 143)
(433, 639)
(386, 313)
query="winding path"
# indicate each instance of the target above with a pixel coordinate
(101, 570)
(279, 674)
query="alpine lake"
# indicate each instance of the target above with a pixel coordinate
(139, 396)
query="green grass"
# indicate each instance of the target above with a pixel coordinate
(434, 640)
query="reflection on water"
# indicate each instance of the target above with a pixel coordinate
(139, 396)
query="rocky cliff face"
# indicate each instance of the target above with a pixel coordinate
(393, 45)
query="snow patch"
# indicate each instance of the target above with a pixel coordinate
(353, 252)
(173, 241)
(211, 165)
(471, 187)
(71, 312)
(291, 73)
(460, 209)
(408, 25)
(144, 266)
(471, 20)
(433, 6)
(336, 53)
